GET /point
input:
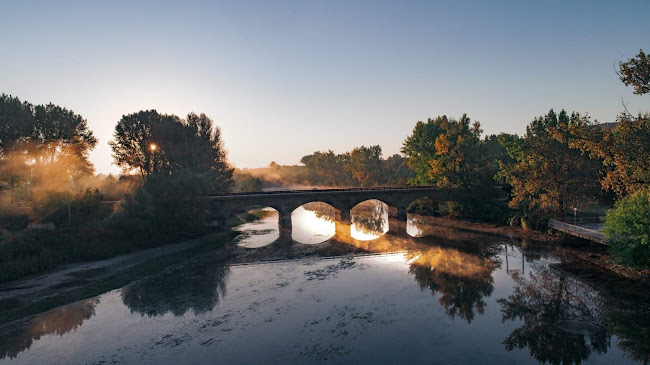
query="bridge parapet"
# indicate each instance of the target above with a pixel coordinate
(286, 201)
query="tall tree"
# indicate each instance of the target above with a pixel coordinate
(547, 173)
(43, 144)
(635, 72)
(364, 165)
(149, 142)
(624, 150)
(445, 152)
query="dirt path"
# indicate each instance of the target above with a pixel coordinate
(75, 275)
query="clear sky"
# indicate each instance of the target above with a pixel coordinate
(283, 79)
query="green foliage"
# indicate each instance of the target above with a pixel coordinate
(423, 206)
(636, 73)
(628, 229)
(624, 150)
(362, 166)
(13, 222)
(42, 147)
(79, 209)
(547, 176)
(167, 206)
(149, 142)
(450, 154)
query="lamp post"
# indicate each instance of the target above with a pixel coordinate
(153, 147)
(575, 216)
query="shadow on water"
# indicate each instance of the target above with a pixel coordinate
(58, 321)
(195, 286)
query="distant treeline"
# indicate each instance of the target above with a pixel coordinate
(361, 167)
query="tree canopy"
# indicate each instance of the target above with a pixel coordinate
(635, 72)
(147, 142)
(547, 174)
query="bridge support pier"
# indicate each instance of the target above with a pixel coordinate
(285, 220)
(345, 217)
(401, 213)
(397, 227)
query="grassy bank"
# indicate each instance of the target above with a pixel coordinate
(33, 252)
(14, 310)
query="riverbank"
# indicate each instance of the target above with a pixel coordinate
(78, 281)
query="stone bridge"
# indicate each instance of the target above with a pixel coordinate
(343, 200)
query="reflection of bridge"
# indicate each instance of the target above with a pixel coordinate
(343, 200)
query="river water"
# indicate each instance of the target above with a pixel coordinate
(374, 290)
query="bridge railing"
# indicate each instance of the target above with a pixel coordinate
(315, 190)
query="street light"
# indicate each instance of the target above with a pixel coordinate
(153, 147)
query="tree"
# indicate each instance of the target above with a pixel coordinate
(44, 145)
(635, 72)
(149, 142)
(445, 152)
(624, 150)
(548, 305)
(364, 165)
(547, 174)
(628, 229)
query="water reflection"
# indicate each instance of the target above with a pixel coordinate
(562, 323)
(195, 285)
(313, 223)
(369, 220)
(353, 308)
(261, 232)
(461, 279)
(58, 321)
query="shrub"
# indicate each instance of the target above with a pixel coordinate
(423, 206)
(79, 209)
(628, 228)
(13, 222)
(167, 206)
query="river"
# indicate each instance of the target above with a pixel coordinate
(374, 290)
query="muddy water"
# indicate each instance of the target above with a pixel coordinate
(372, 291)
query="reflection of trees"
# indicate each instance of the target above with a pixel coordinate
(462, 279)
(57, 321)
(196, 286)
(629, 320)
(321, 210)
(370, 217)
(561, 320)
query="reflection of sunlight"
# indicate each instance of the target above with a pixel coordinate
(361, 235)
(261, 232)
(452, 262)
(310, 228)
(414, 229)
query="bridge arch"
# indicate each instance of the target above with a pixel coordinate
(369, 219)
(314, 222)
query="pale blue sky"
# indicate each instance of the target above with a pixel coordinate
(283, 79)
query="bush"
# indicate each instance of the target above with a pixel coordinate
(13, 222)
(79, 209)
(423, 206)
(166, 207)
(628, 228)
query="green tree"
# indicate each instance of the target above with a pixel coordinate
(628, 229)
(635, 72)
(149, 142)
(364, 165)
(43, 145)
(547, 175)
(445, 152)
